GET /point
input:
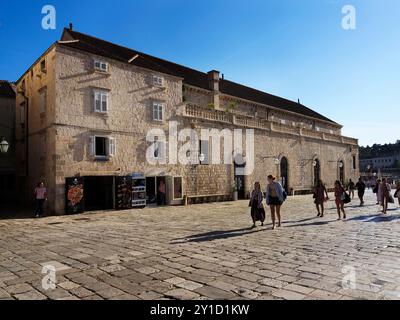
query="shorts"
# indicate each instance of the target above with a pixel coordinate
(274, 201)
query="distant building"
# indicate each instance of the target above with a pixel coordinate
(91, 104)
(379, 163)
(7, 132)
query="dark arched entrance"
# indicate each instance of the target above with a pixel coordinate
(317, 171)
(341, 172)
(239, 167)
(285, 174)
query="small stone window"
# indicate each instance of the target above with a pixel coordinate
(102, 147)
(100, 65)
(101, 101)
(43, 65)
(158, 112)
(158, 81)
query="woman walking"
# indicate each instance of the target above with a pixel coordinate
(339, 199)
(40, 194)
(257, 208)
(319, 197)
(385, 194)
(397, 192)
(275, 199)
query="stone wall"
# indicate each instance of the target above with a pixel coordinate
(70, 121)
(41, 139)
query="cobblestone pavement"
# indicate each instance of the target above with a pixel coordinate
(205, 251)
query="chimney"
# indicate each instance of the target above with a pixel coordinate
(213, 80)
(70, 26)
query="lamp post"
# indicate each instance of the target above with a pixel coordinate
(4, 145)
(277, 162)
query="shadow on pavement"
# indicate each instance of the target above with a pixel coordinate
(8, 212)
(316, 223)
(220, 234)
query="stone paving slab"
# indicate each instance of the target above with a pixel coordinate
(205, 251)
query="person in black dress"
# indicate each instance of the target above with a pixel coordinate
(257, 208)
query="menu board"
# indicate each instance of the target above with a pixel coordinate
(74, 190)
(138, 191)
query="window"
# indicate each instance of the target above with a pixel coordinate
(159, 150)
(354, 162)
(100, 66)
(158, 81)
(102, 147)
(42, 100)
(158, 112)
(43, 66)
(204, 152)
(100, 101)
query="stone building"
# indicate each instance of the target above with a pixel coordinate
(7, 159)
(92, 103)
(388, 161)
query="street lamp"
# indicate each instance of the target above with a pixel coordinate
(4, 145)
(202, 157)
(314, 163)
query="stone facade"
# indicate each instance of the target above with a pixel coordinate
(59, 136)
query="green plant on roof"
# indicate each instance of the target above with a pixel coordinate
(211, 106)
(230, 106)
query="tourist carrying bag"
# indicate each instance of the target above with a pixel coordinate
(347, 198)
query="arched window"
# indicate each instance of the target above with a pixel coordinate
(317, 171)
(285, 174)
(341, 171)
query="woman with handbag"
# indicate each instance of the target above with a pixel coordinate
(385, 195)
(257, 208)
(340, 196)
(319, 197)
(275, 198)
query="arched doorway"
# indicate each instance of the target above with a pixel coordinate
(341, 171)
(317, 171)
(285, 174)
(239, 167)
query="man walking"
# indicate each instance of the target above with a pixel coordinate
(361, 190)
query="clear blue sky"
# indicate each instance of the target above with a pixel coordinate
(295, 49)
